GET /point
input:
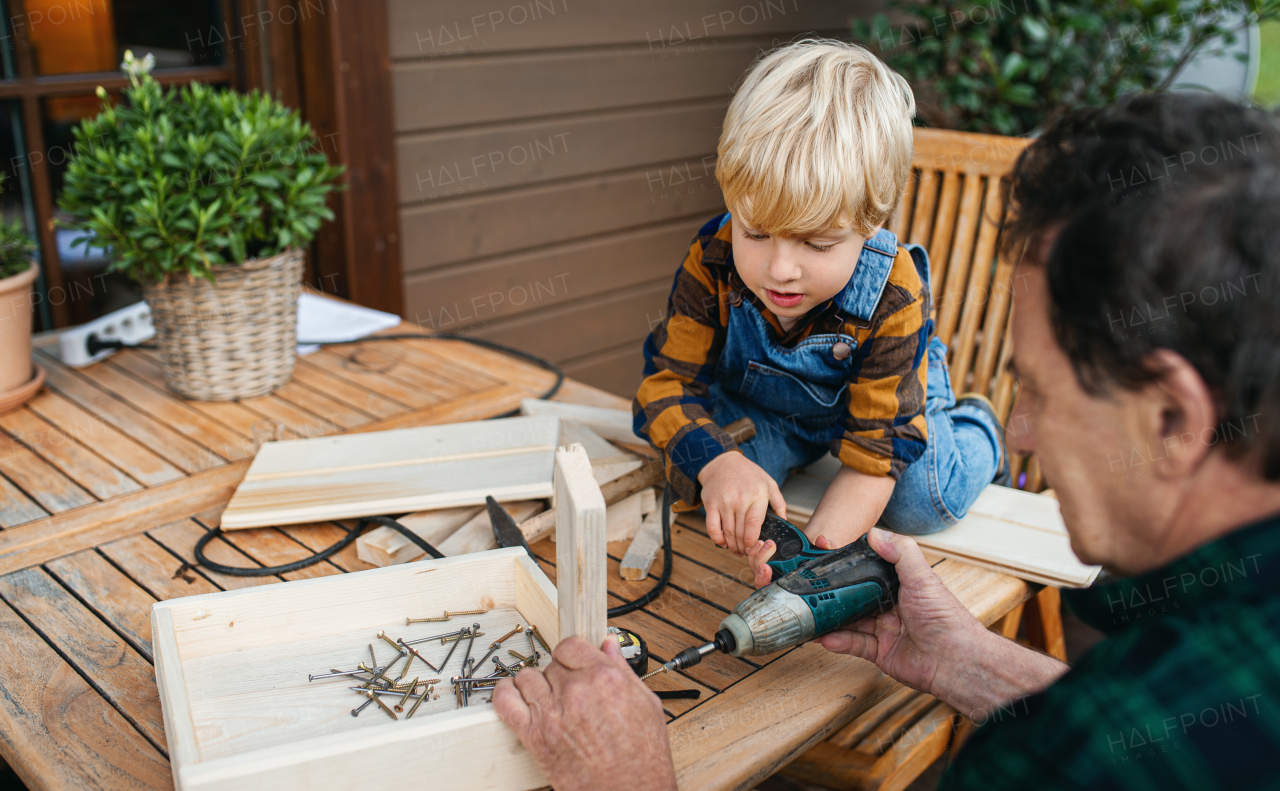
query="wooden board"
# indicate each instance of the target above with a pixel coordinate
(1006, 530)
(395, 471)
(580, 549)
(239, 712)
(384, 546)
(612, 424)
(477, 534)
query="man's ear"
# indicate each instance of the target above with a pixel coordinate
(1179, 415)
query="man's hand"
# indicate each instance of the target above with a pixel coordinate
(737, 493)
(930, 642)
(588, 720)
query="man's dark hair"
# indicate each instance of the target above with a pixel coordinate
(1168, 207)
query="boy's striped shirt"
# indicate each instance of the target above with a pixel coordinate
(882, 427)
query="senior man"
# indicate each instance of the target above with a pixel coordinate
(1146, 338)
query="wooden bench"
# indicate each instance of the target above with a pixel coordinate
(954, 207)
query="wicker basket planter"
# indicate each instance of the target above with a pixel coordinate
(233, 338)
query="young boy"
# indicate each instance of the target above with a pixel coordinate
(799, 310)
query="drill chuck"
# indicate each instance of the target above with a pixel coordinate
(724, 641)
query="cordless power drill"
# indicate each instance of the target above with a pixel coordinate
(813, 592)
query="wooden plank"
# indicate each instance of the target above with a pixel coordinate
(474, 406)
(612, 424)
(976, 292)
(430, 94)
(16, 508)
(605, 322)
(139, 462)
(580, 551)
(473, 361)
(384, 546)
(922, 218)
(644, 548)
(44, 539)
(944, 224)
(112, 596)
(436, 165)
(365, 367)
(1044, 623)
(360, 71)
(116, 668)
(316, 403)
(56, 731)
(994, 325)
(726, 743)
(74, 460)
(173, 412)
(458, 298)
(669, 625)
(666, 28)
(180, 538)
(900, 223)
(175, 448)
(319, 536)
(969, 152)
(961, 253)
(856, 731)
(439, 233)
(368, 401)
(54, 491)
(618, 371)
(883, 736)
(576, 392)
(145, 365)
(356, 475)
(477, 534)
(154, 568)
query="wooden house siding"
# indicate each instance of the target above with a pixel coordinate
(555, 157)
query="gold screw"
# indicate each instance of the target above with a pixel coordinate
(426, 694)
(394, 645)
(523, 659)
(519, 628)
(382, 705)
(409, 621)
(407, 693)
(541, 642)
(451, 613)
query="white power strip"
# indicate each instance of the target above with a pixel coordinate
(131, 325)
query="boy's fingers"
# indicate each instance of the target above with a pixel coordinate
(714, 530)
(752, 521)
(764, 550)
(776, 500)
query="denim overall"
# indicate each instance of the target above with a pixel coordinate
(796, 397)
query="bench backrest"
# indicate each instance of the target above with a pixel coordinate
(954, 208)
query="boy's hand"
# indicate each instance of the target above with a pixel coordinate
(763, 550)
(737, 493)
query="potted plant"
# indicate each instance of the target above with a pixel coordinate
(207, 198)
(19, 378)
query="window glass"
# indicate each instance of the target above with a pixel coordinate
(80, 36)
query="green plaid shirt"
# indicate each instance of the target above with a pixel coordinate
(1183, 694)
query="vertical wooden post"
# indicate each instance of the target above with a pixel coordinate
(581, 562)
(1044, 623)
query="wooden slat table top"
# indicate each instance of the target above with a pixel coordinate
(107, 480)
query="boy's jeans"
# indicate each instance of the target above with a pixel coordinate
(933, 493)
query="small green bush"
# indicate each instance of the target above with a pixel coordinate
(1012, 66)
(16, 247)
(189, 178)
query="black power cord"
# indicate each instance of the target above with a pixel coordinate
(95, 345)
(656, 590)
(324, 554)
(353, 533)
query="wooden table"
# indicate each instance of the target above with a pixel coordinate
(109, 480)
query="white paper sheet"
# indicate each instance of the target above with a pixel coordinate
(327, 320)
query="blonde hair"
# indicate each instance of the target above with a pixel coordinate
(818, 136)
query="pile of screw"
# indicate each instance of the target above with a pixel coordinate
(376, 681)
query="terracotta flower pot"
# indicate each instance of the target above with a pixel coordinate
(17, 373)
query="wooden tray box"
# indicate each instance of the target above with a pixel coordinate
(240, 714)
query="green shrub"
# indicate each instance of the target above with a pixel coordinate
(16, 246)
(1012, 66)
(189, 178)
